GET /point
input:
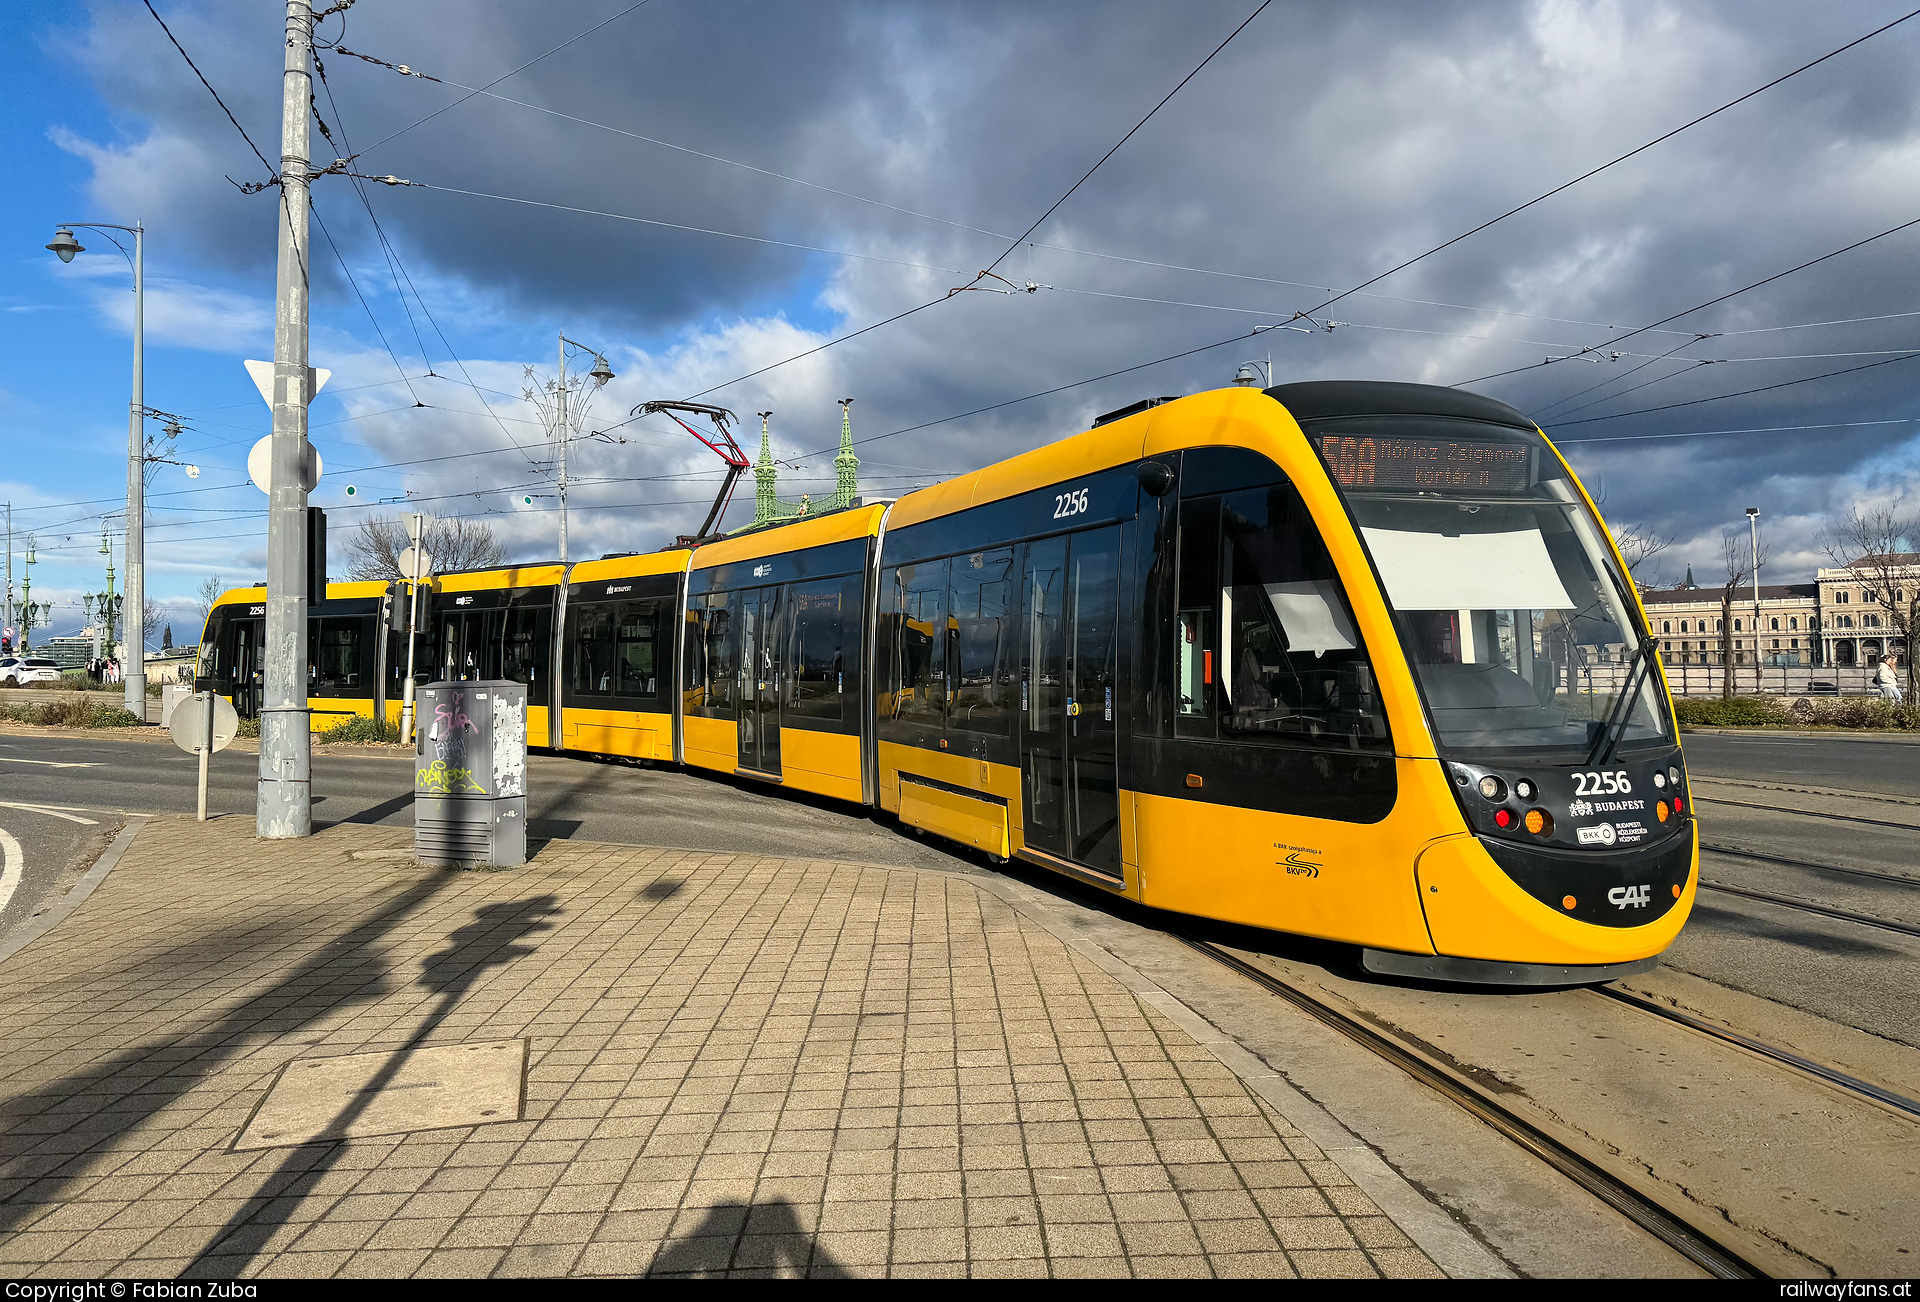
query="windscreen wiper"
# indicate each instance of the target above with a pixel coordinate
(1615, 725)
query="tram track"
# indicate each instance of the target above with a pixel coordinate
(1833, 1076)
(1666, 1223)
(1807, 813)
(1832, 793)
(1899, 879)
(1808, 906)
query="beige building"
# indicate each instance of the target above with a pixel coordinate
(1783, 631)
(1857, 628)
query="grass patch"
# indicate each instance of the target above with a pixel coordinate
(1850, 712)
(361, 729)
(76, 711)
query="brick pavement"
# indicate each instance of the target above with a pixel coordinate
(739, 1065)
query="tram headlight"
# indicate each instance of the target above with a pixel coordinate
(1493, 788)
(1525, 789)
(1659, 778)
(1673, 776)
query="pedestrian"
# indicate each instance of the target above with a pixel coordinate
(1887, 680)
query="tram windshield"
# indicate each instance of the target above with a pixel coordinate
(1508, 599)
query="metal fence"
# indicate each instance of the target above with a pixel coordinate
(1748, 680)
(1770, 680)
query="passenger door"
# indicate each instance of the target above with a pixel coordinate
(762, 661)
(1069, 695)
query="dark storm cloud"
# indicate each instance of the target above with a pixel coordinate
(1326, 144)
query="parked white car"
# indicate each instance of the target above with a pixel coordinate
(29, 669)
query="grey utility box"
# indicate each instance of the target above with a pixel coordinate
(470, 774)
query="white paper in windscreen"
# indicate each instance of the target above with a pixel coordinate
(1312, 615)
(1474, 571)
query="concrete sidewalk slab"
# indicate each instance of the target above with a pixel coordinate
(737, 1065)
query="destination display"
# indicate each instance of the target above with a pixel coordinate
(1431, 465)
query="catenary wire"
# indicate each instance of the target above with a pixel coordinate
(1565, 185)
(1721, 397)
(504, 76)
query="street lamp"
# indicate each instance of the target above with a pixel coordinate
(1753, 540)
(64, 246)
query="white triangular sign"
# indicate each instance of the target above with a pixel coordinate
(262, 373)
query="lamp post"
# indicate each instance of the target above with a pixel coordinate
(1753, 541)
(65, 246)
(600, 374)
(26, 598)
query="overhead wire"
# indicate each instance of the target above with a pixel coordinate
(1712, 302)
(1593, 172)
(504, 76)
(1722, 397)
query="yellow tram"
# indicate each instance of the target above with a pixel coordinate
(1350, 660)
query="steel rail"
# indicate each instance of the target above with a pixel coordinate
(1897, 878)
(1805, 906)
(1809, 813)
(1830, 1075)
(1684, 1238)
(1831, 792)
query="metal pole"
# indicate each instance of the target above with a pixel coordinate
(13, 633)
(206, 751)
(283, 809)
(417, 531)
(560, 433)
(1753, 539)
(135, 665)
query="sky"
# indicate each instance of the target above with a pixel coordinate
(703, 192)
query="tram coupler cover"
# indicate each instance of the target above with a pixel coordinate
(470, 774)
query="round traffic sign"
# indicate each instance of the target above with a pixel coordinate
(260, 466)
(415, 564)
(189, 723)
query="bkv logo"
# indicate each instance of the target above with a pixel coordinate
(1638, 897)
(1299, 867)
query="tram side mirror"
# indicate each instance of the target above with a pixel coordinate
(1156, 477)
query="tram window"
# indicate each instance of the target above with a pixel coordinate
(334, 653)
(915, 610)
(712, 650)
(590, 667)
(981, 643)
(637, 634)
(1198, 625)
(522, 647)
(826, 645)
(1291, 666)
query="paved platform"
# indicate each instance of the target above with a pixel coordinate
(736, 1064)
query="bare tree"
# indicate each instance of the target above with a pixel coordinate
(151, 615)
(1639, 546)
(206, 594)
(373, 550)
(1739, 555)
(1868, 545)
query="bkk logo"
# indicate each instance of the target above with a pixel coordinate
(1601, 834)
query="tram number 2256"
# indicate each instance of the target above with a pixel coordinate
(1070, 503)
(1601, 784)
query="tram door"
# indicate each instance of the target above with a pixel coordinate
(762, 661)
(248, 658)
(1067, 735)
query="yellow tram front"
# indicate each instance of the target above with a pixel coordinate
(1542, 695)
